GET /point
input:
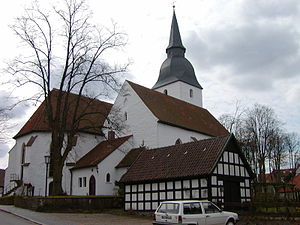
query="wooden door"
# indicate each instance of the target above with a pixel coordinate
(92, 186)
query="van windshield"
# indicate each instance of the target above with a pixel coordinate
(172, 208)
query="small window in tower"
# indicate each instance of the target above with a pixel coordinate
(191, 93)
(166, 91)
(125, 116)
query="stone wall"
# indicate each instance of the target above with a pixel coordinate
(68, 203)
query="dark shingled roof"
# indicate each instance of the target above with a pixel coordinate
(130, 157)
(179, 113)
(100, 152)
(95, 112)
(177, 161)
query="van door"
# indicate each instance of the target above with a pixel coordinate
(192, 213)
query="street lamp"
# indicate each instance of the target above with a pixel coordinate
(47, 162)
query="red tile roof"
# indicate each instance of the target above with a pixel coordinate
(130, 157)
(178, 113)
(177, 161)
(94, 111)
(100, 152)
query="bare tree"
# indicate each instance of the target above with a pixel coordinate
(293, 148)
(260, 125)
(3, 125)
(66, 51)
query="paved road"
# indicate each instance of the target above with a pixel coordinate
(74, 218)
(10, 219)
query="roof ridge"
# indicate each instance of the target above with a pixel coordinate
(192, 142)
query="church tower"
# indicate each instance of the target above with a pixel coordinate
(177, 76)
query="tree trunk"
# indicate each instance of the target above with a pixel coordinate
(56, 163)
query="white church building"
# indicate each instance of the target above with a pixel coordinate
(162, 125)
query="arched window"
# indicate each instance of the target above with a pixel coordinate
(107, 177)
(191, 93)
(178, 141)
(166, 91)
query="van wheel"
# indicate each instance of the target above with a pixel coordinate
(230, 223)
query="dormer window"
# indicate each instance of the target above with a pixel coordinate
(178, 141)
(166, 91)
(191, 93)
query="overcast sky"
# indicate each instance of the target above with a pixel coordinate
(242, 50)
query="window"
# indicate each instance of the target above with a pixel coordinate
(210, 207)
(172, 208)
(192, 208)
(107, 177)
(80, 182)
(84, 182)
(191, 93)
(178, 141)
(166, 91)
(125, 116)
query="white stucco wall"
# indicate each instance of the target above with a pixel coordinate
(35, 172)
(100, 171)
(181, 91)
(143, 124)
(167, 135)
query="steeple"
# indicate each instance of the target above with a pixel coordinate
(176, 67)
(175, 44)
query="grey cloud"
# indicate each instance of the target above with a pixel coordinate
(4, 148)
(250, 53)
(269, 9)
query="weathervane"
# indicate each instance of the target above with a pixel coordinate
(173, 5)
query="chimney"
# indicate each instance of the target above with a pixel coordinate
(111, 135)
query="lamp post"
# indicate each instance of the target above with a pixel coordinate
(47, 162)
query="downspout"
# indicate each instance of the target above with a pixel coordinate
(71, 182)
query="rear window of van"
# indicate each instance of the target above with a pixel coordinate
(172, 208)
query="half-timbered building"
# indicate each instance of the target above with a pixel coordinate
(213, 169)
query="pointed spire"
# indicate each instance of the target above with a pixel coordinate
(175, 44)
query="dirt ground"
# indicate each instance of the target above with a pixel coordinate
(252, 220)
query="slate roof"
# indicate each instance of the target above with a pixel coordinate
(130, 158)
(100, 152)
(177, 161)
(176, 67)
(95, 112)
(172, 111)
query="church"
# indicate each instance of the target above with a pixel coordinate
(171, 148)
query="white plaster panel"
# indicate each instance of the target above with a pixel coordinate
(213, 180)
(186, 184)
(177, 184)
(162, 186)
(203, 182)
(154, 187)
(177, 194)
(141, 197)
(195, 183)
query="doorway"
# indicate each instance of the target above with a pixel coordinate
(232, 195)
(92, 185)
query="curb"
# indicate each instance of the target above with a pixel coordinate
(22, 217)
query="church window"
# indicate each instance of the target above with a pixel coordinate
(84, 181)
(178, 141)
(107, 177)
(166, 91)
(125, 115)
(191, 93)
(80, 181)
